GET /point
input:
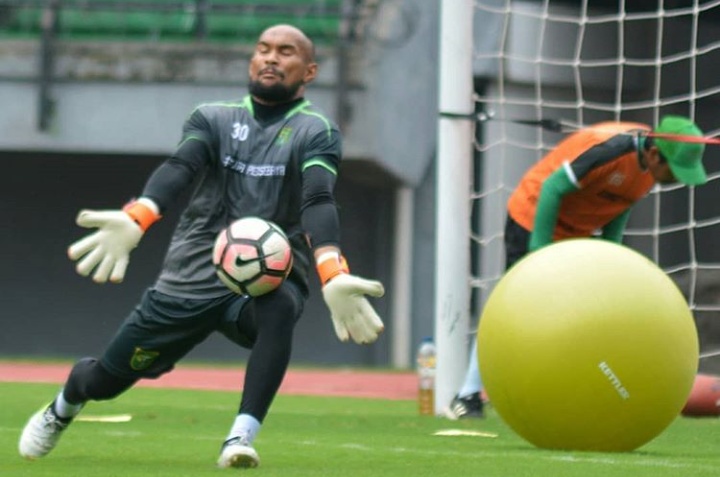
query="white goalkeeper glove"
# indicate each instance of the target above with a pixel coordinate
(353, 316)
(107, 251)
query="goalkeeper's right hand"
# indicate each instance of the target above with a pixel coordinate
(107, 251)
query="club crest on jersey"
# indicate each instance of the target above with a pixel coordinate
(616, 178)
(283, 136)
(142, 359)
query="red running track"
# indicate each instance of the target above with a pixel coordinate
(348, 383)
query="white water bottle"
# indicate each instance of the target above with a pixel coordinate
(426, 377)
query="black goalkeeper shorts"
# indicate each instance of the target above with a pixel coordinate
(162, 329)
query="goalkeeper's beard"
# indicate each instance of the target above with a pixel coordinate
(276, 93)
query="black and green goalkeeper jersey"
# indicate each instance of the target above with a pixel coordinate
(247, 166)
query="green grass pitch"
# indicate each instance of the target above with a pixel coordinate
(177, 433)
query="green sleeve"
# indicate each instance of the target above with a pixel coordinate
(614, 229)
(557, 185)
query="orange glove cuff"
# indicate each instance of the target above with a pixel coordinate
(141, 214)
(332, 267)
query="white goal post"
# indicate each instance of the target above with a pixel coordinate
(454, 170)
(580, 62)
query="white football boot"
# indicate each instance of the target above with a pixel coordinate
(239, 454)
(41, 433)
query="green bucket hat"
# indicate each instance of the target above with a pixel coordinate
(684, 158)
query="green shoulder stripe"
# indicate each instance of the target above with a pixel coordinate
(247, 104)
(192, 138)
(321, 163)
(297, 108)
(243, 103)
(302, 109)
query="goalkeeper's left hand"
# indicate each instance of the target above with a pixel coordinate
(344, 294)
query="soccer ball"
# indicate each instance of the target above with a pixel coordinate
(252, 256)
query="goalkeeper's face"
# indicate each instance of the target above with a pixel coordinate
(282, 64)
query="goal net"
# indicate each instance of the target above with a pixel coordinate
(589, 61)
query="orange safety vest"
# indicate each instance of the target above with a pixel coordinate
(605, 191)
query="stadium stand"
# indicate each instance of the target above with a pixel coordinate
(229, 21)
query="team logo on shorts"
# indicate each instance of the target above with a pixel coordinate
(142, 359)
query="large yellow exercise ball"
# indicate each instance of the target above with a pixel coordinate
(587, 345)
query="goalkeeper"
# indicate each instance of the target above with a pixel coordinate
(583, 187)
(272, 155)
